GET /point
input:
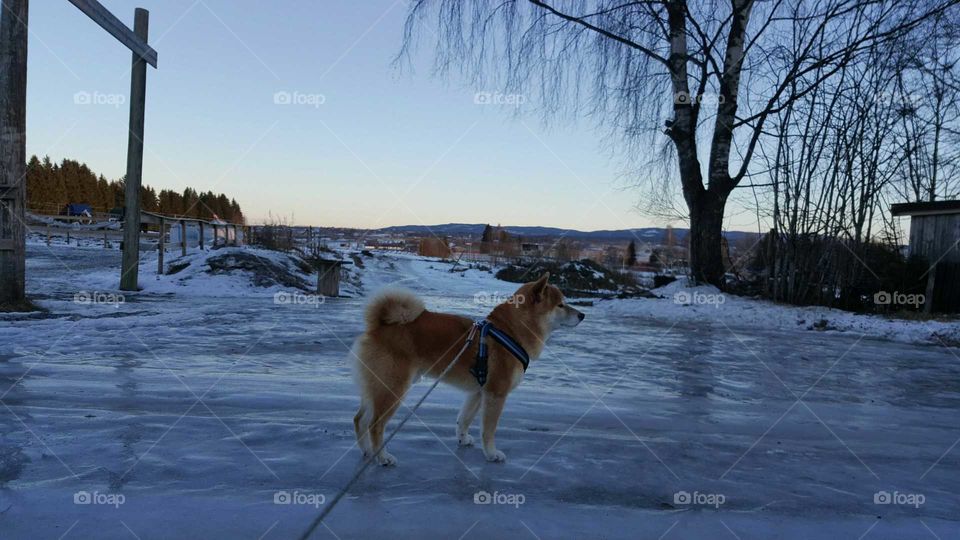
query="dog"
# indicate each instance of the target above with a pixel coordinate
(403, 340)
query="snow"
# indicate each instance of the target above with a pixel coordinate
(200, 400)
(707, 304)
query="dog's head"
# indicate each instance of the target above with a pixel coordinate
(547, 303)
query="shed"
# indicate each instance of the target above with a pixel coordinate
(328, 277)
(935, 236)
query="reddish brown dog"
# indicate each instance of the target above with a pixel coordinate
(404, 340)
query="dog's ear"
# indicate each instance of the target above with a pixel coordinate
(538, 287)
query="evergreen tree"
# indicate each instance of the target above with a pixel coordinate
(51, 186)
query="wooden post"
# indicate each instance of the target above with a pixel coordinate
(931, 287)
(106, 243)
(131, 221)
(213, 242)
(328, 278)
(13, 149)
(201, 235)
(183, 238)
(161, 246)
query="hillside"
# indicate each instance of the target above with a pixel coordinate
(654, 235)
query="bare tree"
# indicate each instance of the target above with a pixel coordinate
(712, 72)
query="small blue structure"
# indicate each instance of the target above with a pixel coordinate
(77, 209)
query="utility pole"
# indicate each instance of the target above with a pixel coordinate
(13, 150)
(131, 215)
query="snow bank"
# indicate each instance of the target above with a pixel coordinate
(707, 304)
(227, 271)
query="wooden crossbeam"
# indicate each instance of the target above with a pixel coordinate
(113, 25)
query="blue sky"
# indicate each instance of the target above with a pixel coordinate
(383, 148)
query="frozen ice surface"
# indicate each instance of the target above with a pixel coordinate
(200, 406)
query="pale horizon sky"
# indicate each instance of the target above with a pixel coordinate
(367, 146)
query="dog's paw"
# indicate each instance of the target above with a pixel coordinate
(386, 459)
(465, 440)
(496, 456)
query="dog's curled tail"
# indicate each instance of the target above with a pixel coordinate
(393, 306)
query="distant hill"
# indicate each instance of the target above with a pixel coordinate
(655, 235)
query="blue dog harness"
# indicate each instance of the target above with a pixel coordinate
(479, 369)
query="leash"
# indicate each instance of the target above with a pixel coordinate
(343, 491)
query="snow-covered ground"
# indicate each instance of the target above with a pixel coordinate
(196, 408)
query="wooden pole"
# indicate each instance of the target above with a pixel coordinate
(183, 238)
(931, 287)
(161, 246)
(201, 235)
(13, 149)
(138, 97)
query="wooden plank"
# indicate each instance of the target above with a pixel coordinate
(138, 97)
(109, 22)
(161, 246)
(13, 148)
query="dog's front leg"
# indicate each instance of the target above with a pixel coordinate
(467, 414)
(492, 408)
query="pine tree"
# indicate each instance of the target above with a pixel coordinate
(632, 253)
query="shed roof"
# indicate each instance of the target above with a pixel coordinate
(925, 208)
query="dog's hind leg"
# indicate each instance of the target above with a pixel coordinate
(385, 399)
(467, 413)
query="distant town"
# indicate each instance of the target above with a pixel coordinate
(647, 249)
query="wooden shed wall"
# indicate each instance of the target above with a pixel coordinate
(935, 235)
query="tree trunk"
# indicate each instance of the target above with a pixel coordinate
(706, 232)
